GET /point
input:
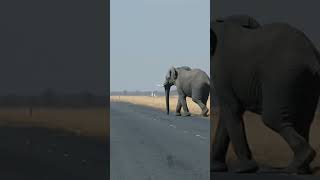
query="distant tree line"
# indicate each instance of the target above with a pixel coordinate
(141, 93)
(50, 97)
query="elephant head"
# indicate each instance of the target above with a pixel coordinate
(245, 21)
(171, 77)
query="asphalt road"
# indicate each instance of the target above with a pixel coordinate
(147, 144)
(34, 153)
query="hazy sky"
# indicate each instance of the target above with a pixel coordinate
(301, 14)
(150, 36)
(58, 44)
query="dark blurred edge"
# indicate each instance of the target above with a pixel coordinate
(105, 9)
(33, 165)
(222, 176)
(106, 48)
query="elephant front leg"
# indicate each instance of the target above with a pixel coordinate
(236, 131)
(178, 108)
(219, 148)
(183, 102)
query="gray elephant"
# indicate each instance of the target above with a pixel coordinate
(193, 83)
(272, 70)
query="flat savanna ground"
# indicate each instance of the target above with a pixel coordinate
(82, 121)
(268, 148)
(54, 143)
(159, 102)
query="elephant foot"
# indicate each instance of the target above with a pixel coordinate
(306, 157)
(246, 167)
(301, 163)
(178, 114)
(217, 166)
(187, 114)
(305, 170)
(205, 112)
(297, 171)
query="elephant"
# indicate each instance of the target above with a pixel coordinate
(193, 83)
(272, 70)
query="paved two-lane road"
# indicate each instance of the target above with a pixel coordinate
(147, 144)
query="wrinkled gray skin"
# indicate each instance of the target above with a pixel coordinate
(271, 70)
(192, 83)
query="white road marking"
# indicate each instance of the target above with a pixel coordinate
(197, 135)
(200, 136)
(172, 126)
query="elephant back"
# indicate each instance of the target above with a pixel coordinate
(187, 68)
(242, 20)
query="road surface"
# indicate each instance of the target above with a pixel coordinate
(147, 144)
(35, 153)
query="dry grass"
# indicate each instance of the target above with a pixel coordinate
(89, 121)
(268, 147)
(158, 102)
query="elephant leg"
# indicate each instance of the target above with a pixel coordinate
(219, 147)
(203, 107)
(279, 106)
(178, 108)
(303, 124)
(309, 101)
(303, 152)
(183, 102)
(232, 112)
(304, 131)
(304, 121)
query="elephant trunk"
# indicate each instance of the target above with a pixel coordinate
(167, 91)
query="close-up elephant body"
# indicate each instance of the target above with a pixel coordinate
(271, 70)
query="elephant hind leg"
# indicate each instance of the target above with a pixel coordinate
(202, 105)
(307, 112)
(303, 152)
(279, 114)
(304, 121)
(303, 128)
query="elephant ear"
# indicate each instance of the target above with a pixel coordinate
(173, 72)
(213, 42)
